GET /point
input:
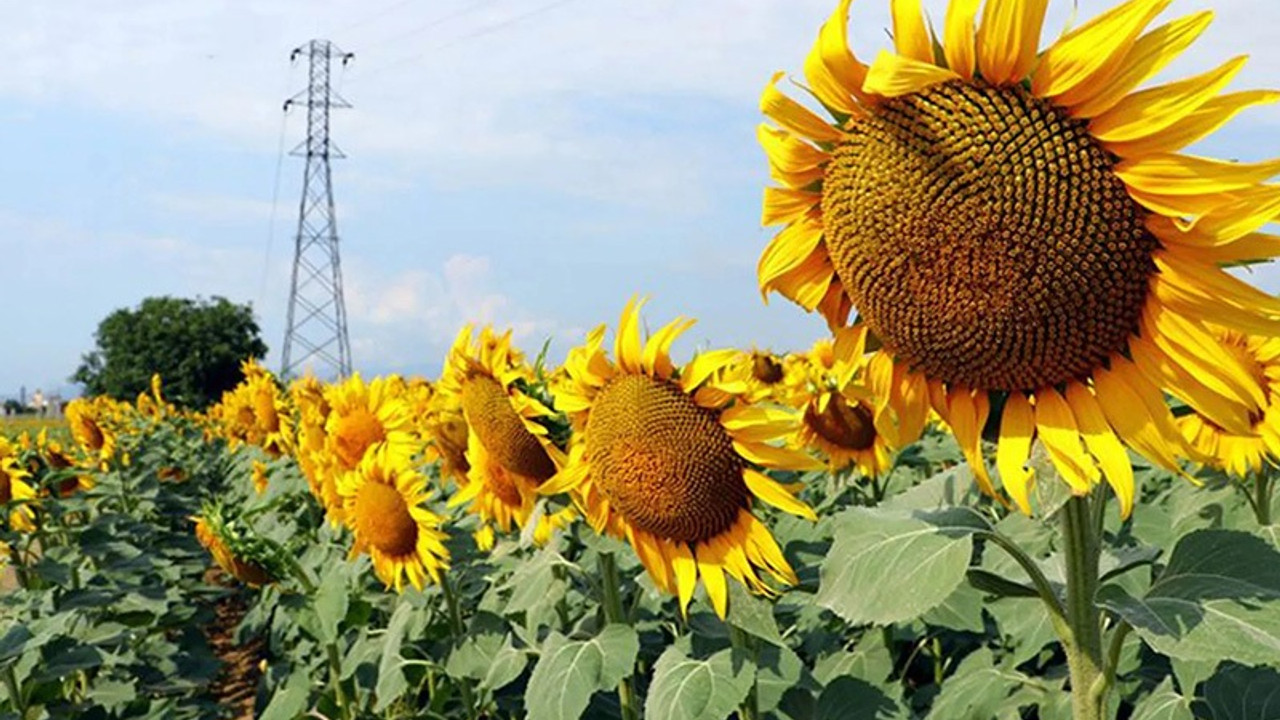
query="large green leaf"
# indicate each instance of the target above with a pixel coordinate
(890, 566)
(686, 688)
(1237, 692)
(391, 680)
(290, 699)
(977, 691)
(961, 610)
(752, 614)
(1218, 598)
(330, 603)
(568, 672)
(1163, 704)
(849, 698)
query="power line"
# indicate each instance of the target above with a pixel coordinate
(435, 22)
(485, 30)
(275, 195)
(370, 18)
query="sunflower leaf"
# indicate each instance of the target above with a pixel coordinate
(1163, 704)
(569, 672)
(686, 688)
(1218, 598)
(1236, 692)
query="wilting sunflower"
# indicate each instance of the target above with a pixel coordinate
(1019, 226)
(841, 416)
(509, 448)
(1236, 453)
(666, 459)
(364, 419)
(14, 488)
(235, 547)
(57, 458)
(86, 418)
(382, 503)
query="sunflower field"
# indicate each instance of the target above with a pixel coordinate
(1031, 477)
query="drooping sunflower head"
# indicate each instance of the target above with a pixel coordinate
(1248, 453)
(1018, 223)
(254, 412)
(383, 505)
(89, 427)
(668, 459)
(510, 446)
(236, 547)
(445, 429)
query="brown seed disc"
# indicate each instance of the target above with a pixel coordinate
(841, 424)
(663, 461)
(495, 422)
(983, 235)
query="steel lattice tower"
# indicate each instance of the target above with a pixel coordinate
(317, 324)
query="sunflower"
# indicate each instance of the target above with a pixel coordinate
(57, 458)
(770, 377)
(446, 432)
(364, 419)
(1019, 230)
(382, 504)
(306, 442)
(15, 488)
(1241, 454)
(86, 418)
(665, 457)
(841, 416)
(253, 412)
(509, 447)
(239, 553)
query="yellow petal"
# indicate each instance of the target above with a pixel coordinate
(1187, 387)
(834, 74)
(711, 568)
(758, 423)
(626, 347)
(783, 205)
(793, 116)
(809, 283)
(1174, 174)
(1008, 39)
(792, 161)
(1103, 444)
(894, 75)
(788, 250)
(1017, 426)
(1201, 353)
(1148, 112)
(958, 37)
(1090, 54)
(704, 365)
(774, 457)
(910, 36)
(1236, 219)
(968, 415)
(1212, 115)
(1056, 428)
(768, 490)
(657, 351)
(686, 573)
(1136, 410)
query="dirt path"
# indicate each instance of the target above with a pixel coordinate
(236, 686)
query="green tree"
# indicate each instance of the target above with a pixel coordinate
(197, 346)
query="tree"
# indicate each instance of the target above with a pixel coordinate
(196, 346)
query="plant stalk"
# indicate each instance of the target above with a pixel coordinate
(611, 589)
(1082, 548)
(15, 691)
(1262, 497)
(459, 632)
(750, 707)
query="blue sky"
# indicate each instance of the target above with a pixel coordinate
(524, 162)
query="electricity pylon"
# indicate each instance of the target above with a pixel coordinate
(317, 325)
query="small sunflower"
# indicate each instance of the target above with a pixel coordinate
(14, 488)
(509, 447)
(254, 412)
(57, 458)
(1019, 230)
(666, 458)
(382, 504)
(445, 429)
(87, 420)
(770, 377)
(364, 419)
(1241, 454)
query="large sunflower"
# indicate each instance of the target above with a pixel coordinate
(1017, 226)
(666, 458)
(382, 504)
(1241, 454)
(509, 448)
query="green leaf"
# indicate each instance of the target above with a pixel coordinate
(962, 610)
(1218, 598)
(993, 584)
(508, 663)
(1163, 704)
(14, 642)
(752, 614)
(950, 488)
(112, 694)
(1025, 626)
(290, 698)
(473, 656)
(977, 691)
(849, 698)
(888, 567)
(61, 659)
(780, 671)
(330, 603)
(685, 688)
(870, 660)
(568, 672)
(391, 680)
(1237, 692)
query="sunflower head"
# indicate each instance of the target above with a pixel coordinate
(1243, 454)
(1017, 227)
(236, 547)
(89, 423)
(510, 440)
(383, 505)
(15, 489)
(668, 458)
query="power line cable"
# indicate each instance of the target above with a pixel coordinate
(371, 18)
(275, 195)
(435, 22)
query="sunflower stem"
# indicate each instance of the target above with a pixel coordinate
(335, 669)
(1262, 497)
(610, 586)
(750, 707)
(459, 632)
(1057, 613)
(15, 690)
(1083, 644)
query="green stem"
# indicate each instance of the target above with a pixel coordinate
(335, 669)
(611, 589)
(1083, 644)
(750, 708)
(1103, 684)
(1057, 613)
(1262, 497)
(15, 690)
(459, 632)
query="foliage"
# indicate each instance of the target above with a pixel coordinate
(197, 346)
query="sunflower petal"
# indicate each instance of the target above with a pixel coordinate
(704, 365)
(626, 347)
(959, 37)
(778, 458)
(1147, 112)
(768, 490)
(758, 423)
(710, 560)
(1174, 174)
(967, 417)
(657, 351)
(910, 36)
(1017, 427)
(1137, 412)
(686, 574)
(1056, 428)
(784, 205)
(793, 116)
(1008, 39)
(1103, 444)
(834, 74)
(1212, 115)
(893, 75)
(792, 161)
(1089, 55)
